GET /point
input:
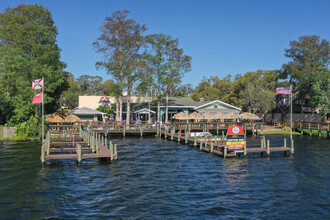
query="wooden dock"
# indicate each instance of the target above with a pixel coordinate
(85, 144)
(216, 145)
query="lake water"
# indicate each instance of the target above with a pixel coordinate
(159, 179)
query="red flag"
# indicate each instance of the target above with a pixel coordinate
(37, 98)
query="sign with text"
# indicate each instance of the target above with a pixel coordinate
(235, 138)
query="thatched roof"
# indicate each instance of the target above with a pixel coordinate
(54, 119)
(72, 118)
(181, 116)
(195, 116)
(209, 116)
(249, 116)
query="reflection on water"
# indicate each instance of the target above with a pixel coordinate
(155, 178)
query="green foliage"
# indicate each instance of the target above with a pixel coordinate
(28, 52)
(109, 88)
(310, 61)
(30, 128)
(90, 85)
(105, 109)
(320, 91)
(70, 97)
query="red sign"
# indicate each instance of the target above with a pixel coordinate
(235, 138)
(235, 130)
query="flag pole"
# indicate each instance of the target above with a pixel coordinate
(290, 112)
(42, 112)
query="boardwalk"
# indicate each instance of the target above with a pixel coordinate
(216, 145)
(85, 144)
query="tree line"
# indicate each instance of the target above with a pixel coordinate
(138, 64)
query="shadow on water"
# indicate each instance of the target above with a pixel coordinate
(155, 178)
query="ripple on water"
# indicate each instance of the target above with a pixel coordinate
(155, 178)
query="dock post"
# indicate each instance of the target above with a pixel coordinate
(165, 132)
(189, 128)
(268, 147)
(42, 156)
(124, 129)
(172, 134)
(217, 129)
(223, 134)
(301, 130)
(115, 152)
(225, 152)
(292, 147)
(245, 153)
(186, 138)
(179, 135)
(111, 150)
(262, 143)
(200, 145)
(47, 142)
(284, 142)
(195, 140)
(79, 152)
(141, 130)
(211, 148)
(245, 129)
(253, 130)
(92, 144)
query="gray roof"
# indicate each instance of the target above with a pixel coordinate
(179, 101)
(87, 111)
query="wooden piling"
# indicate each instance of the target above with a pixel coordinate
(111, 150)
(179, 136)
(115, 152)
(124, 131)
(195, 140)
(42, 157)
(79, 152)
(217, 129)
(268, 147)
(186, 138)
(211, 148)
(292, 147)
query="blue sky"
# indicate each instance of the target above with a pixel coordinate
(222, 36)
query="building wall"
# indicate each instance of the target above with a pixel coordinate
(93, 101)
(215, 106)
(6, 132)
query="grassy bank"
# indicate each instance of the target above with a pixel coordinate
(15, 138)
(281, 132)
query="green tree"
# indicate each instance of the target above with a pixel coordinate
(90, 85)
(28, 51)
(120, 43)
(109, 88)
(310, 62)
(70, 97)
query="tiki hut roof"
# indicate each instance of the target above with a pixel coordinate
(72, 118)
(249, 116)
(195, 116)
(209, 116)
(181, 116)
(54, 119)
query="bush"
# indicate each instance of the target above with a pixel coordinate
(29, 128)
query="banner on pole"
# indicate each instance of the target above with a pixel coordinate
(38, 84)
(37, 98)
(283, 90)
